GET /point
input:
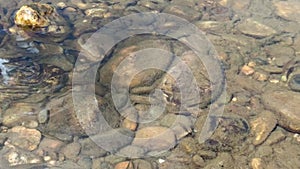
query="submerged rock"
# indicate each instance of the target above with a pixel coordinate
(229, 134)
(38, 19)
(19, 113)
(262, 126)
(294, 82)
(155, 139)
(25, 138)
(289, 10)
(33, 15)
(255, 28)
(26, 77)
(286, 104)
(294, 78)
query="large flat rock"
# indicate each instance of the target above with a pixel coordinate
(255, 28)
(289, 10)
(287, 106)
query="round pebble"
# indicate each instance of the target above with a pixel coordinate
(43, 116)
(47, 158)
(31, 124)
(247, 70)
(294, 82)
(71, 150)
(262, 126)
(198, 160)
(257, 163)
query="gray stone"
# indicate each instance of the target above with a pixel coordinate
(114, 139)
(255, 28)
(183, 12)
(176, 160)
(182, 126)
(60, 61)
(71, 150)
(132, 151)
(90, 148)
(294, 79)
(296, 45)
(43, 116)
(155, 139)
(207, 154)
(142, 164)
(99, 164)
(126, 69)
(277, 136)
(282, 54)
(67, 164)
(30, 124)
(264, 151)
(50, 145)
(3, 138)
(85, 162)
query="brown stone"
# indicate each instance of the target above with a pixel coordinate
(277, 136)
(289, 10)
(257, 163)
(286, 104)
(124, 165)
(260, 76)
(262, 126)
(28, 16)
(130, 122)
(155, 138)
(198, 160)
(131, 125)
(71, 150)
(50, 145)
(19, 113)
(247, 70)
(129, 70)
(24, 138)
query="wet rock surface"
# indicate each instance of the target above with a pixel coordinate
(252, 27)
(262, 126)
(230, 132)
(288, 10)
(24, 138)
(159, 122)
(44, 18)
(285, 103)
(33, 15)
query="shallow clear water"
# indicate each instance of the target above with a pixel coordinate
(181, 84)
